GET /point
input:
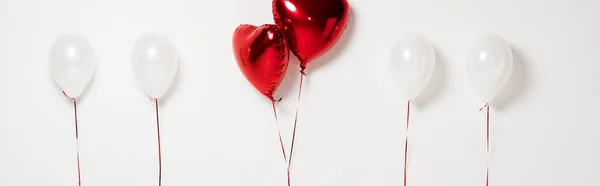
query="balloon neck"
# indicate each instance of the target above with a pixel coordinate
(303, 63)
(275, 100)
(65, 94)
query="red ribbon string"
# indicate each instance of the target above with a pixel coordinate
(487, 142)
(280, 139)
(285, 158)
(302, 74)
(406, 140)
(278, 129)
(158, 139)
(76, 137)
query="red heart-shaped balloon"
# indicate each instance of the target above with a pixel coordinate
(311, 26)
(262, 55)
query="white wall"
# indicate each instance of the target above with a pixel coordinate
(217, 130)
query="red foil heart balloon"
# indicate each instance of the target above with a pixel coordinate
(262, 55)
(311, 26)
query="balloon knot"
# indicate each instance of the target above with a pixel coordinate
(303, 72)
(65, 94)
(485, 106)
(277, 100)
(152, 99)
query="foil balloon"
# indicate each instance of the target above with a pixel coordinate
(311, 27)
(262, 55)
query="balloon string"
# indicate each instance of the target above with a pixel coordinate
(278, 129)
(406, 140)
(487, 143)
(76, 137)
(280, 139)
(302, 74)
(158, 140)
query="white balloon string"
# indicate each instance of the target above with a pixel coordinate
(76, 137)
(487, 143)
(158, 142)
(406, 141)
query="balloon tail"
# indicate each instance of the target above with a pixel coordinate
(487, 142)
(158, 140)
(76, 137)
(303, 72)
(406, 140)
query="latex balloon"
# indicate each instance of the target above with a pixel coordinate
(262, 55)
(412, 65)
(311, 27)
(154, 61)
(72, 64)
(489, 65)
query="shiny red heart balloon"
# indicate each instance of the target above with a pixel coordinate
(262, 55)
(311, 26)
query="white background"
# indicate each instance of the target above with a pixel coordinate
(218, 130)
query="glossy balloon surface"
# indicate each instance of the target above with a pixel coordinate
(412, 65)
(311, 26)
(489, 65)
(72, 64)
(154, 61)
(262, 56)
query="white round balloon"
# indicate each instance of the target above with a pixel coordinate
(72, 64)
(489, 65)
(412, 65)
(154, 61)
